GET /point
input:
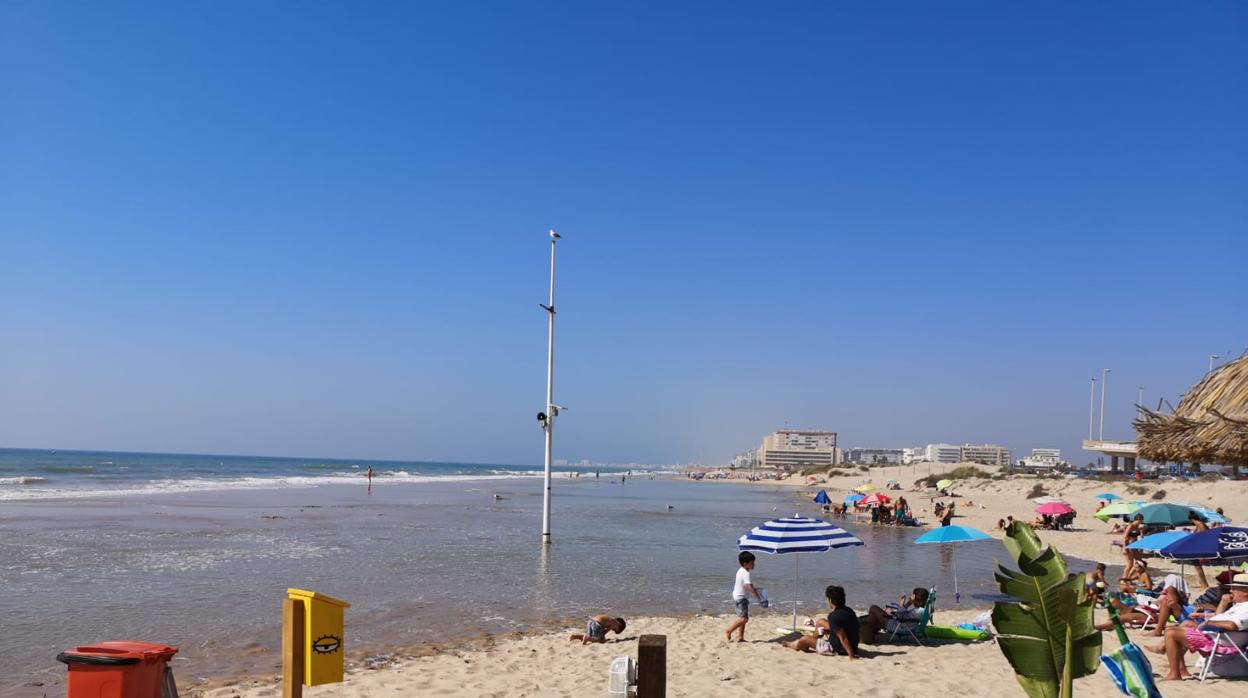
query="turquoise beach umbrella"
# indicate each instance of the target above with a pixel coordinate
(1164, 514)
(1157, 541)
(953, 534)
(854, 498)
(1108, 496)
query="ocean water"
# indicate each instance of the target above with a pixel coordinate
(200, 557)
(45, 474)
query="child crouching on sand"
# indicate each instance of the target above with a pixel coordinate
(597, 627)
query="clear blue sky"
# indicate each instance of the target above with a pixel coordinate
(288, 229)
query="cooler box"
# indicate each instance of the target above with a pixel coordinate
(117, 669)
(322, 636)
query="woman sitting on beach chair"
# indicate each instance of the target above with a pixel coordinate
(895, 617)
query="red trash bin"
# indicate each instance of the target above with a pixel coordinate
(117, 669)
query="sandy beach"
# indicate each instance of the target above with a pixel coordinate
(701, 663)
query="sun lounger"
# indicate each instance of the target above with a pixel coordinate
(1225, 664)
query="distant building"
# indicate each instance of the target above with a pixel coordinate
(875, 456)
(913, 455)
(988, 454)
(789, 448)
(942, 453)
(1043, 459)
(747, 459)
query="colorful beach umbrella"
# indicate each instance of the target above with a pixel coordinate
(1050, 500)
(1209, 515)
(865, 488)
(1054, 509)
(1165, 514)
(1225, 543)
(796, 535)
(953, 534)
(1117, 509)
(1108, 496)
(943, 484)
(875, 498)
(853, 498)
(1157, 541)
(822, 498)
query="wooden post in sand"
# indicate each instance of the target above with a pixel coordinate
(652, 666)
(292, 648)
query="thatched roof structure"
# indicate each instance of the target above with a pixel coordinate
(1210, 425)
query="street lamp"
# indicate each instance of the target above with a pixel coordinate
(1104, 384)
(1091, 408)
(1212, 358)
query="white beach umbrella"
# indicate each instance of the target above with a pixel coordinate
(796, 535)
(1050, 500)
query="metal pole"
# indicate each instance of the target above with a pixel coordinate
(796, 557)
(1212, 358)
(1104, 385)
(1091, 408)
(550, 393)
(1140, 402)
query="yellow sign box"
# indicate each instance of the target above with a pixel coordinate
(323, 639)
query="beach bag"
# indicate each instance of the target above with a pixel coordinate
(1131, 672)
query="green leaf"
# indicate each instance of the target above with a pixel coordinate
(1054, 614)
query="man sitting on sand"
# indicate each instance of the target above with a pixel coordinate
(1232, 615)
(838, 634)
(596, 629)
(877, 619)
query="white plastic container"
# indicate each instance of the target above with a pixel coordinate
(622, 677)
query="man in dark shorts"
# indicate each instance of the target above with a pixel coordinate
(838, 634)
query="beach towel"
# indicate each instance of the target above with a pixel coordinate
(1131, 671)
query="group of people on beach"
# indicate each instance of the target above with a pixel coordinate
(839, 633)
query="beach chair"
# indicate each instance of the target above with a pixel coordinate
(1225, 664)
(914, 628)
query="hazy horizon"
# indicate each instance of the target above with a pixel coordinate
(267, 232)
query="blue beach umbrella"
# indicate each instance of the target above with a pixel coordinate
(1165, 514)
(854, 498)
(822, 499)
(796, 535)
(1225, 543)
(1157, 541)
(1209, 515)
(953, 534)
(1108, 496)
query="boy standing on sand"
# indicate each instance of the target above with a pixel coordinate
(740, 590)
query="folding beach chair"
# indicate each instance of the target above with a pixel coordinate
(914, 628)
(1224, 638)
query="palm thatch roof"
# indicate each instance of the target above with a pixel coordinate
(1210, 425)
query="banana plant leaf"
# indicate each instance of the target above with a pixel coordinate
(1048, 636)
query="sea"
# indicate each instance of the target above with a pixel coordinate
(199, 551)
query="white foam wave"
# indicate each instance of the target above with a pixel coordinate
(249, 483)
(22, 480)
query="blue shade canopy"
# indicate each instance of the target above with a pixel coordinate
(854, 498)
(1157, 541)
(1209, 515)
(823, 498)
(1226, 543)
(1108, 496)
(952, 534)
(1164, 514)
(796, 535)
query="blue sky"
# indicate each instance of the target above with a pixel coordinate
(321, 231)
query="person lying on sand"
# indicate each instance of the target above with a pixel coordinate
(597, 627)
(909, 609)
(838, 634)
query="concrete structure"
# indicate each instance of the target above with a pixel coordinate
(1043, 459)
(989, 454)
(1126, 450)
(791, 448)
(875, 456)
(746, 459)
(913, 455)
(942, 453)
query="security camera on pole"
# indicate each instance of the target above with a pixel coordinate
(547, 418)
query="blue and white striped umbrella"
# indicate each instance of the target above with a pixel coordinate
(796, 535)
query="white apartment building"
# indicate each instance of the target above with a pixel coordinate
(873, 456)
(917, 454)
(791, 448)
(990, 454)
(942, 453)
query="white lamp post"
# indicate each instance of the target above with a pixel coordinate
(547, 418)
(1104, 384)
